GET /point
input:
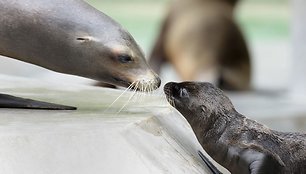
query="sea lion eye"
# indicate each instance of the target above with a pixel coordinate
(84, 39)
(124, 58)
(184, 93)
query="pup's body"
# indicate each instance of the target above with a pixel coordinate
(239, 144)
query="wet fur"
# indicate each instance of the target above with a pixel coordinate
(239, 144)
(71, 37)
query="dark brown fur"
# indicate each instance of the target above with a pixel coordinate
(202, 41)
(239, 144)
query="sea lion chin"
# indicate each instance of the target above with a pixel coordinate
(239, 144)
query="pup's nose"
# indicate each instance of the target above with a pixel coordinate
(169, 86)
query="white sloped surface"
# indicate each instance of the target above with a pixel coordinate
(146, 137)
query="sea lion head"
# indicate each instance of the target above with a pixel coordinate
(197, 100)
(124, 62)
(118, 59)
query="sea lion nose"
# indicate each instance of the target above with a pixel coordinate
(169, 87)
(176, 88)
(157, 82)
(179, 91)
(184, 93)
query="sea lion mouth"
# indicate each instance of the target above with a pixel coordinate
(140, 85)
(122, 82)
(146, 85)
(168, 90)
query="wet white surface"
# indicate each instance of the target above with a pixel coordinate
(146, 137)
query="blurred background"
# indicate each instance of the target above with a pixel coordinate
(279, 95)
(265, 24)
(275, 38)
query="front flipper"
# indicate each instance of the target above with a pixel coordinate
(8, 101)
(209, 164)
(261, 163)
(253, 160)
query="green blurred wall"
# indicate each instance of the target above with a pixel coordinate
(260, 19)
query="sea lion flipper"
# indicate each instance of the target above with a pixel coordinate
(8, 101)
(261, 162)
(266, 165)
(209, 164)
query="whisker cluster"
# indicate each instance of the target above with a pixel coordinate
(168, 94)
(141, 89)
(127, 89)
(135, 86)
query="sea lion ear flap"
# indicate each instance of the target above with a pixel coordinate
(205, 110)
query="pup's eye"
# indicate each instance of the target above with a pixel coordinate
(124, 58)
(184, 93)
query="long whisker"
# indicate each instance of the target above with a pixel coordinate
(144, 92)
(126, 103)
(160, 93)
(145, 88)
(140, 94)
(127, 89)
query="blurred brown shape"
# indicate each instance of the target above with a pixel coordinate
(201, 39)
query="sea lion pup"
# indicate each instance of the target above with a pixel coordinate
(202, 41)
(239, 144)
(72, 37)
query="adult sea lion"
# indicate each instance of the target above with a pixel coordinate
(202, 41)
(239, 144)
(72, 37)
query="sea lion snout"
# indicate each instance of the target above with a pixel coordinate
(146, 85)
(169, 89)
(175, 90)
(156, 82)
(137, 81)
(201, 96)
(128, 66)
